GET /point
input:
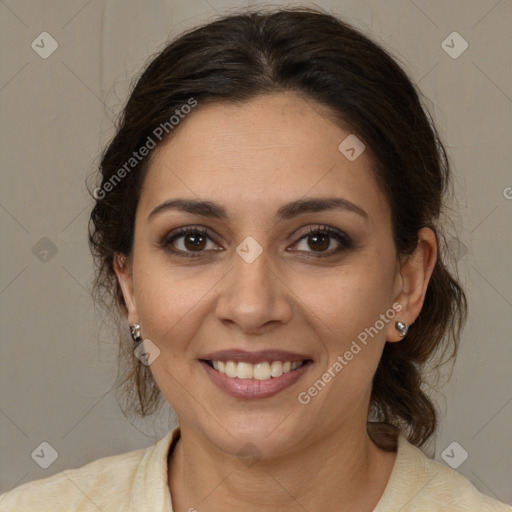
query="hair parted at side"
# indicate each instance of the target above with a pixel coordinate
(320, 57)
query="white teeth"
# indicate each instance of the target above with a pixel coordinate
(259, 371)
(244, 371)
(276, 369)
(230, 369)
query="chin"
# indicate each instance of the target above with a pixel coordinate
(265, 436)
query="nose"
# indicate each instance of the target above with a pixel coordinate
(253, 297)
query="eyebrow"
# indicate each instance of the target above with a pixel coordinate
(287, 211)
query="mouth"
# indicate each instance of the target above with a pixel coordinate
(251, 375)
(264, 370)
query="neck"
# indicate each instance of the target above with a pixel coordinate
(343, 471)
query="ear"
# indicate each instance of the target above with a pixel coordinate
(412, 281)
(123, 270)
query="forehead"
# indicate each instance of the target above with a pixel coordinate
(258, 155)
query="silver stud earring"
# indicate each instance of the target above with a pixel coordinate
(135, 332)
(401, 327)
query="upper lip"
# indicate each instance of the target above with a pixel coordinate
(254, 357)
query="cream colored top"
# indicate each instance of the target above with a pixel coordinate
(137, 481)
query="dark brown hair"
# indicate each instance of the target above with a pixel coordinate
(318, 56)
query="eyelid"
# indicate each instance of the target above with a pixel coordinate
(322, 228)
(345, 241)
(183, 230)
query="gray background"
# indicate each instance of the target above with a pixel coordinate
(58, 358)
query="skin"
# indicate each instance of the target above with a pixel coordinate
(252, 158)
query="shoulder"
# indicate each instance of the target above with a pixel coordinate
(454, 492)
(418, 483)
(99, 485)
(85, 488)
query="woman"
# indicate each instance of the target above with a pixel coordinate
(268, 224)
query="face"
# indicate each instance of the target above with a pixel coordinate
(264, 275)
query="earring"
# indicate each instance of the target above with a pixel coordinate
(401, 327)
(135, 332)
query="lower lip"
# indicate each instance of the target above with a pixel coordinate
(253, 388)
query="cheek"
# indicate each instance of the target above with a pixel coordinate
(344, 309)
(169, 301)
(348, 299)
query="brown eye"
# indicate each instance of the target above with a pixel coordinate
(318, 242)
(188, 241)
(324, 241)
(194, 242)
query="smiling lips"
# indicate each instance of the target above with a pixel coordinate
(254, 374)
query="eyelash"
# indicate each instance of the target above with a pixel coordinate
(344, 240)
